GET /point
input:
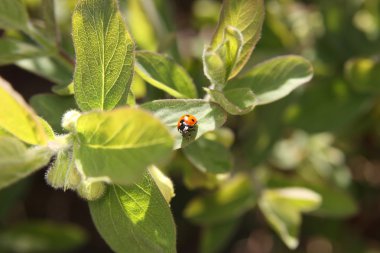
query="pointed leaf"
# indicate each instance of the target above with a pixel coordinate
(135, 218)
(119, 145)
(282, 208)
(104, 55)
(163, 73)
(17, 118)
(209, 156)
(245, 16)
(235, 101)
(210, 116)
(229, 202)
(13, 14)
(275, 78)
(17, 161)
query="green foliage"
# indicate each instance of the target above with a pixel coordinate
(104, 69)
(110, 128)
(140, 213)
(17, 117)
(120, 144)
(41, 236)
(163, 73)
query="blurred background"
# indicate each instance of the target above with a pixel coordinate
(324, 136)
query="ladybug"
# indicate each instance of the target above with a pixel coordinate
(186, 123)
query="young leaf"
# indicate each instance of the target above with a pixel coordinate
(17, 118)
(210, 116)
(209, 156)
(119, 145)
(275, 78)
(13, 15)
(163, 73)
(164, 184)
(240, 20)
(17, 162)
(104, 55)
(47, 68)
(235, 101)
(135, 218)
(229, 202)
(283, 207)
(12, 50)
(51, 107)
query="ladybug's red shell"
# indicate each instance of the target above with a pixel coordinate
(186, 123)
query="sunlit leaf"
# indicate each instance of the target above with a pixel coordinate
(163, 73)
(275, 78)
(235, 101)
(104, 55)
(210, 116)
(118, 145)
(17, 118)
(135, 218)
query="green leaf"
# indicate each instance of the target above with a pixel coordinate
(140, 23)
(275, 78)
(13, 15)
(165, 74)
(17, 118)
(164, 184)
(235, 101)
(17, 161)
(219, 63)
(214, 238)
(135, 218)
(363, 74)
(12, 50)
(47, 68)
(210, 116)
(283, 207)
(243, 17)
(104, 55)
(52, 107)
(119, 145)
(233, 199)
(209, 156)
(50, 24)
(63, 89)
(42, 236)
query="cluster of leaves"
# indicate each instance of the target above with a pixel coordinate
(107, 139)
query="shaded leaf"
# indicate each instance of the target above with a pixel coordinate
(13, 14)
(137, 212)
(363, 74)
(104, 67)
(210, 116)
(118, 145)
(12, 50)
(17, 161)
(229, 202)
(42, 236)
(215, 237)
(51, 107)
(209, 156)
